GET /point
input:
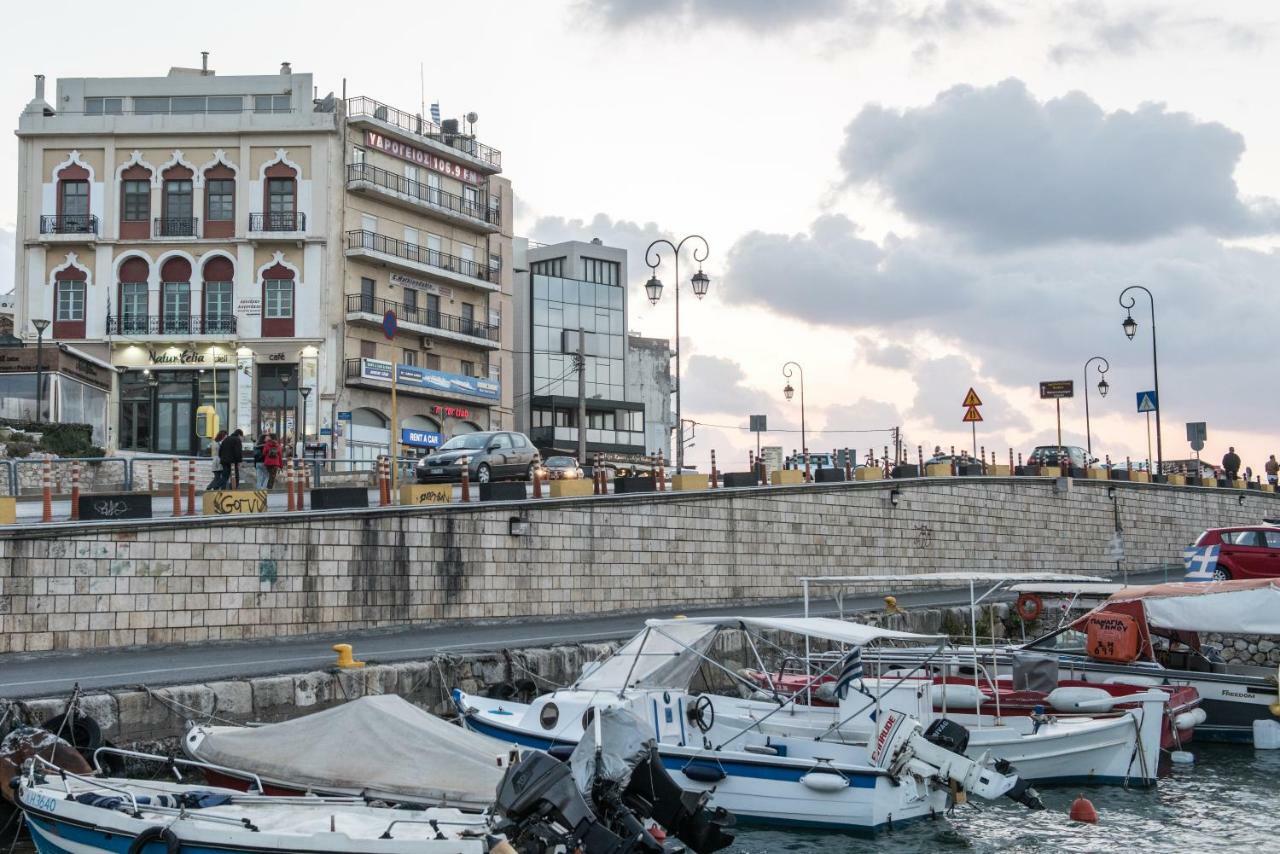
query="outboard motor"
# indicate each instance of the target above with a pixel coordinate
(654, 794)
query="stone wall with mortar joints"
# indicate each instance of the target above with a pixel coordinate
(238, 578)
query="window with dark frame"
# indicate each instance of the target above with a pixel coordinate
(432, 362)
(75, 199)
(178, 199)
(137, 201)
(368, 349)
(103, 106)
(468, 368)
(220, 195)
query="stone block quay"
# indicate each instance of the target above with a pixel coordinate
(195, 580)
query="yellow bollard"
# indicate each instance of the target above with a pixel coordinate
(891, 605)
(345, 660)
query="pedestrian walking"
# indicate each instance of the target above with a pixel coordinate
(231, 453)
(272, 458)
(1231, 464)
(1248, 474)
(220, 472)
(259, 461)
(1273, 470)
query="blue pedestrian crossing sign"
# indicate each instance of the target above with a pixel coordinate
(1147, 401)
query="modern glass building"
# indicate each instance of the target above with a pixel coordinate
(574, 289)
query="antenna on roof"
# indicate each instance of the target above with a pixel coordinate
(472, 118)
(204, 62)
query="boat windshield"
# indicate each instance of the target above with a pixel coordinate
(1068, 641)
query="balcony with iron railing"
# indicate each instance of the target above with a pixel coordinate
(419, 196)
(176, 226)
(277, 221)
(411, 256)
(77, 225)
(182, 324)
(446, 135)
(414, 318)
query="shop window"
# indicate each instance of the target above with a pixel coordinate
(134, 432)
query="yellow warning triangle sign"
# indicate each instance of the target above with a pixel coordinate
(972, 399)
(972, 414)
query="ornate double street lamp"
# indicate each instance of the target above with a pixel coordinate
(700, 282)
(1130, 327)
(789, 392)
(41, 325)
(1103, 388)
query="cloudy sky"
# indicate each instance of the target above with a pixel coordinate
(908, 197)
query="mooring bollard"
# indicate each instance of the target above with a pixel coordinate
(466, 484)
(300, 481)
(714, 473)
(191, 487)
(288, 485)
(75, 490)
(46, 488)
(177, 488)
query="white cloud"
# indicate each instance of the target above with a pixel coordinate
(1003, 169)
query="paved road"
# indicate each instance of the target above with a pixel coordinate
(51, 674)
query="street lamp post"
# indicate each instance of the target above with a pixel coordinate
(1130, 327)
(41, 325)
(1103, 388)
(788, 392)
(700, 281)
(305, 391)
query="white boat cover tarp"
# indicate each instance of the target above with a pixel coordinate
(1249, 607)
(383, 746)
(825, 628)
(653, 659)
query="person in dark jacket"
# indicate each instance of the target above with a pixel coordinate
(220, 472)
(231, 453)
(1231, 464)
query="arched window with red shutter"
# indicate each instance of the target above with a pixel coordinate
(277, 302)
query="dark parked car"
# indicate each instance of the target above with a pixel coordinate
(561, 468)
(1251, 551)
(1052, 455)
(488, 456)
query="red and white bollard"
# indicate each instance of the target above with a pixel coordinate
(466, 484)
(177, 488)
(302, 481)
(715, 474)
(807, 476)
(46, 487)
(288, 485)
(848, 464)
(75, 490)
(191, 487)
(662, 471)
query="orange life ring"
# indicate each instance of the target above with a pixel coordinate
(1029, 606)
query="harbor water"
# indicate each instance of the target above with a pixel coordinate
(1225, 802)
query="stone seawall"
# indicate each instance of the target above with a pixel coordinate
(219, 579)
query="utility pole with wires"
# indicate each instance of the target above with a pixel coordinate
(580, 364)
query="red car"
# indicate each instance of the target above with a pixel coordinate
(1248, 551)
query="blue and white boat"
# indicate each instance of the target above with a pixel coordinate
(72, 814)
(895, 774)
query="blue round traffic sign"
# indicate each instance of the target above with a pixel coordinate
(389, 324)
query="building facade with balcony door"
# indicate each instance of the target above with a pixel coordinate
(426, 235)
(177, 228)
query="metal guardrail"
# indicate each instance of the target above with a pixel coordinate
(425, 193)
(69, 224)
(157, 324)
(278, 221)
(420, 316)
(176, 226)
(374, 242)
(418, 126)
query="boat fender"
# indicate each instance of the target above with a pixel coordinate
(1190, 720)
(156, 833)
(1080, 700)
(826, 692)
(960, 696)
(824, 781)
(1182, 757)
(1082, 809)
(704, 773)
(77, 729)
(561, 751)
(1029, 606)
(1128, 679)
(762, 749)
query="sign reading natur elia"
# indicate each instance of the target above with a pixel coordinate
(434, 162)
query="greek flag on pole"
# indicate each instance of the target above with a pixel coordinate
(851, 670)
(1201, 562)
(435, 112)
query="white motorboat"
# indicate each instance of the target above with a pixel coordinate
(900, 774)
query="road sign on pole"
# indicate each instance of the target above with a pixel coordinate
(389, 325)
(1147, 402)
(1197, 434)
(972, 416)
(972, 399)
(1057, 389)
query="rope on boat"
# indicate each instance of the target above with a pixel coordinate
(190, 713)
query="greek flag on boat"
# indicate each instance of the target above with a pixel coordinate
(1201, 562)
(435, 112)
(851, 670)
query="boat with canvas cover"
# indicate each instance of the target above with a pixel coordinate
(900, 774)
(380, 747)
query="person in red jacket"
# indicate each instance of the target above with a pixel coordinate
(272, 459)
